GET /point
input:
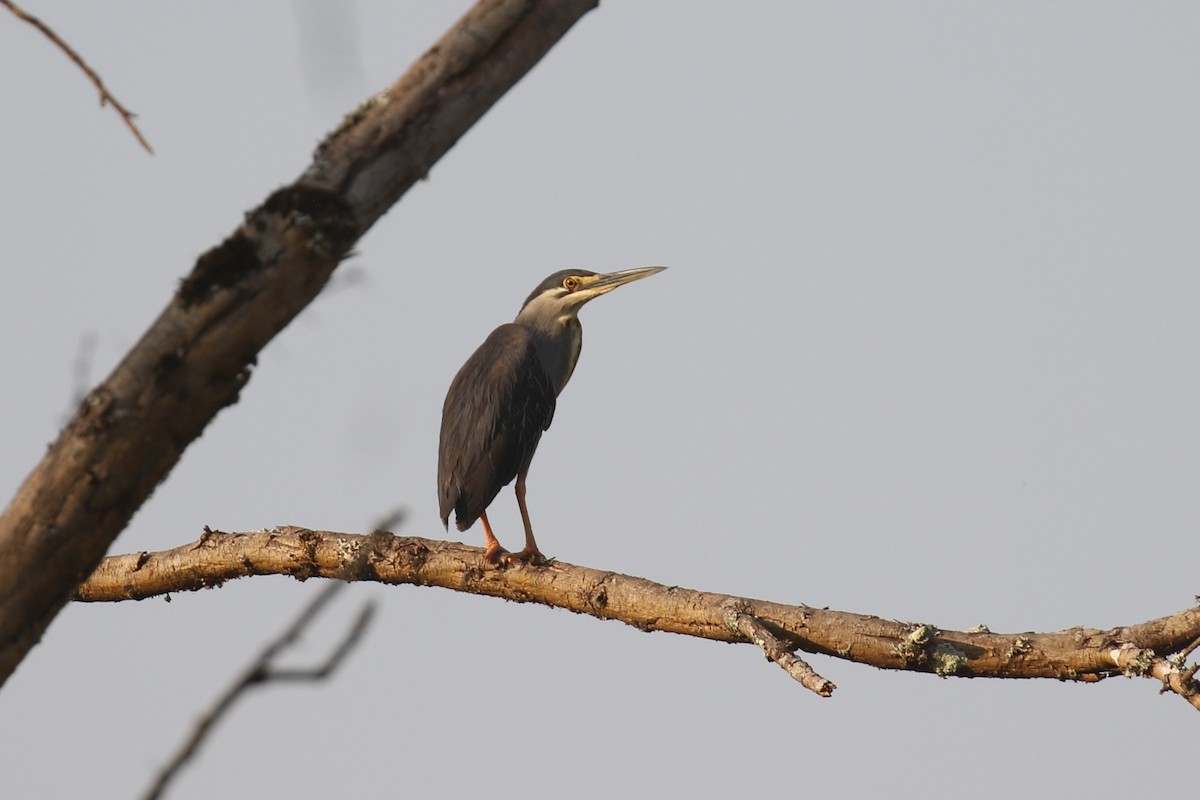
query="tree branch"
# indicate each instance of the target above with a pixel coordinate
(775, 649)
(105, 97)
(130, 431)
(1077, 654)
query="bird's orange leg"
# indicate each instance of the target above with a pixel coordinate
(493, 552)
(531, 553)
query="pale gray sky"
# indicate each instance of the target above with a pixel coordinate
(927, 349)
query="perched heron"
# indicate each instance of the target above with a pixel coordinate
(504, 396)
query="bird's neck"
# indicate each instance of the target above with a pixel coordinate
(558, 346)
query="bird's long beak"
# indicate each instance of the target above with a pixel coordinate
(607, 281)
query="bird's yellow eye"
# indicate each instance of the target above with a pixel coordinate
(571, 283)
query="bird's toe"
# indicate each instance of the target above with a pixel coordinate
(527, 556)
(497, 555)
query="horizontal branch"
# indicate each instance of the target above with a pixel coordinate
(1079, 654)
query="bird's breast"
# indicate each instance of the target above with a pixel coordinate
(559, 351)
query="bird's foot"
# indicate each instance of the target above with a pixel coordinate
(496, 555)
(533, 557)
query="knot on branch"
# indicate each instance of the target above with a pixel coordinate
(1133, 661)
(912, 648)
(311, 219)
(922, 648)
(324, 216)
(222, 267)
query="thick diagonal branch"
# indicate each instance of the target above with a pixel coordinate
(1081, 654)
(195, 358)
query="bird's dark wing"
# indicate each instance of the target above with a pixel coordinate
(494, 414)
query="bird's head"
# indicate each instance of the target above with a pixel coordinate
(559, 297)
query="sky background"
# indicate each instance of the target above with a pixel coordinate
(926, 349)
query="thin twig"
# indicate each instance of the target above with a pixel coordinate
(1136, 661)
(1174, 679)
(356, 631)
(753, 629)
(261, 671)
(105, 96)
(1187, 651)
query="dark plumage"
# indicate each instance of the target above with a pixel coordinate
(497, 407)
(504, 397)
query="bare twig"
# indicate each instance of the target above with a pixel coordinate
(775, 650)
(262, 671)
(105, 96)
(1187, 651)
(336, 656)
(1174, 679)
(1077, 654)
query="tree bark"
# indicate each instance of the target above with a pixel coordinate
(1076, 654)
(197, 356)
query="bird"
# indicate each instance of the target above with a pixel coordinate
(503, 399)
